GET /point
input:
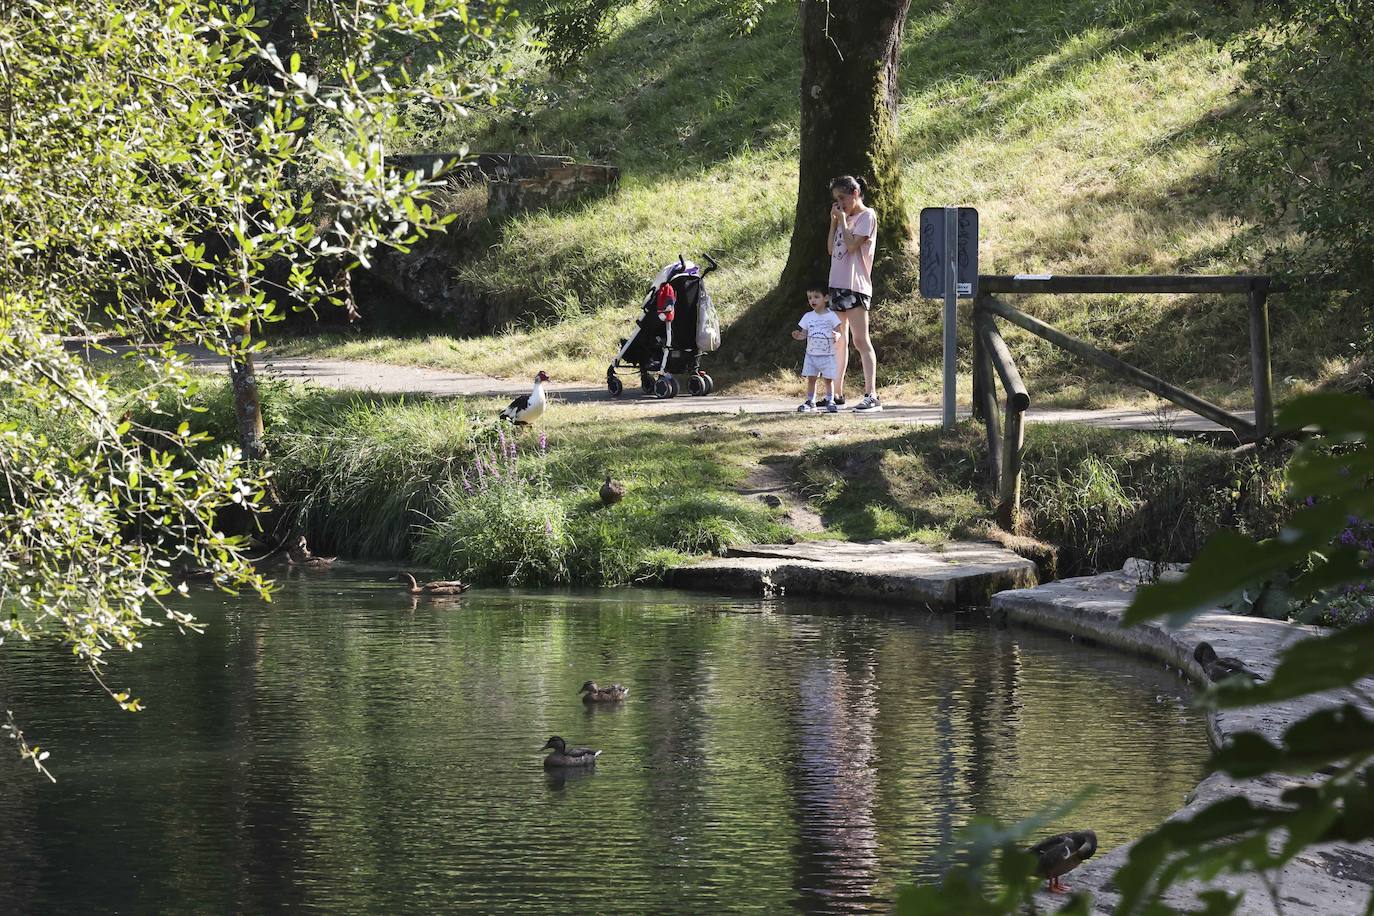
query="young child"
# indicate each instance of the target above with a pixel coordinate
(818, 328)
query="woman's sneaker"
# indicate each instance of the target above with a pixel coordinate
(870, 402)
(839, 401)
(806, 407)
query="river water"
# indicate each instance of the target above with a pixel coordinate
(346, 749)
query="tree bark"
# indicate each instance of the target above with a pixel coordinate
(849, 94)
(247, 407)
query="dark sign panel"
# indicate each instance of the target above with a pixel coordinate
(933, 258)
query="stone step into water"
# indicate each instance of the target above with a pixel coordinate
(953, 575)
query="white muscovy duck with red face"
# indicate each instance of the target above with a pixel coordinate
(528, 407)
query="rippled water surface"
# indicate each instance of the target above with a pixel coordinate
(341, 751)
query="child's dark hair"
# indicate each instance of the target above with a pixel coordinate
(849, 184)
(818, 287)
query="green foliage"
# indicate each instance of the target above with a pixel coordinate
(168, 175)
(1306, 157)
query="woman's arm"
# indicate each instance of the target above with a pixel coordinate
(852, 242)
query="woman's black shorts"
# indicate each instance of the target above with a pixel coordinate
(842, 300)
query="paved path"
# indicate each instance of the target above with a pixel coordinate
(383, 378)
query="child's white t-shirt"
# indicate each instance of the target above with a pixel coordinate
(820, 332)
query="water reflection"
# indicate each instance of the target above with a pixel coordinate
(341, 751)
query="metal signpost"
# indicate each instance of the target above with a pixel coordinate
(949, 270)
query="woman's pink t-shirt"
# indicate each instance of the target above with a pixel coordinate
(854, 270)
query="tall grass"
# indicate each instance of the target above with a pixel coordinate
(430, 480)
(1099, 496)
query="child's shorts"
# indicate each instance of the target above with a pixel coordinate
(823, 366)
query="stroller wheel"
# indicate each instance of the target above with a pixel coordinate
(614, 385)
(710, 382)
(696, 384)
(646, 383)
(665, 387)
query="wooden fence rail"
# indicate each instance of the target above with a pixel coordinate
(992, 362)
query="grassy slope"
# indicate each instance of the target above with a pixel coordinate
(1087, 133)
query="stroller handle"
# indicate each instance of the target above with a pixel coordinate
(709, 260)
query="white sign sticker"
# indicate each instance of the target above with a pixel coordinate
(963, 289)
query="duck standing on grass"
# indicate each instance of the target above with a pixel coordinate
(442, 587)
(528, 407)
(612, 694)
(564, 756)
(1061, 854)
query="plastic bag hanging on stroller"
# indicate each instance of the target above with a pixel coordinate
(677, 324)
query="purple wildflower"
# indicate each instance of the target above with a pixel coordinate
(543, 442)
(1347, 537)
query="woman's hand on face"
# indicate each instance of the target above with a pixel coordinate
(836, 212)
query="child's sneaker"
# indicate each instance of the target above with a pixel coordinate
(870, 402)
(829, 405)
(806, 407)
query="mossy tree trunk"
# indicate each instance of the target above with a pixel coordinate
(850, 55)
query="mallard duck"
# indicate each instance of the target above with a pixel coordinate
(564, 756)
(1061, 854)
(1219, 669)
(612, 491)
(443, 587)
(528, 407)
(612, 694)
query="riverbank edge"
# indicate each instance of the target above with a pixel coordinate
(1327, 879)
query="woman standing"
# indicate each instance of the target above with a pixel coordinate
(852, 238)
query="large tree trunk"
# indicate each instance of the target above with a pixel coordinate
(850, 54)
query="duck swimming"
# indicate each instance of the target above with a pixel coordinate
(564, 756)
(612, 694)
(1217, 668)
(443, 587)
(1061, 854)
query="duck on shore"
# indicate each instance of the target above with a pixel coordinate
(440, 587)
(615, 693)
(564, 756)
(1218, 668)
(612, 491)
(528, 407)
(1060, 854)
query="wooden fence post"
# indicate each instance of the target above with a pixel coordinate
(1261, 368)
(1009, 494)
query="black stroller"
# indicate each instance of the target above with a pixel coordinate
(677, 326)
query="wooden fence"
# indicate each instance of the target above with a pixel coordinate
(992, 362)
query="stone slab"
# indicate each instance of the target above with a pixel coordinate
(1331, 879)
(956, 574)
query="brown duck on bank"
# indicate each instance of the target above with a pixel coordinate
(615, 693)
(1217, 668)
(612, 491)
(1061, 854)
(443, 587)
